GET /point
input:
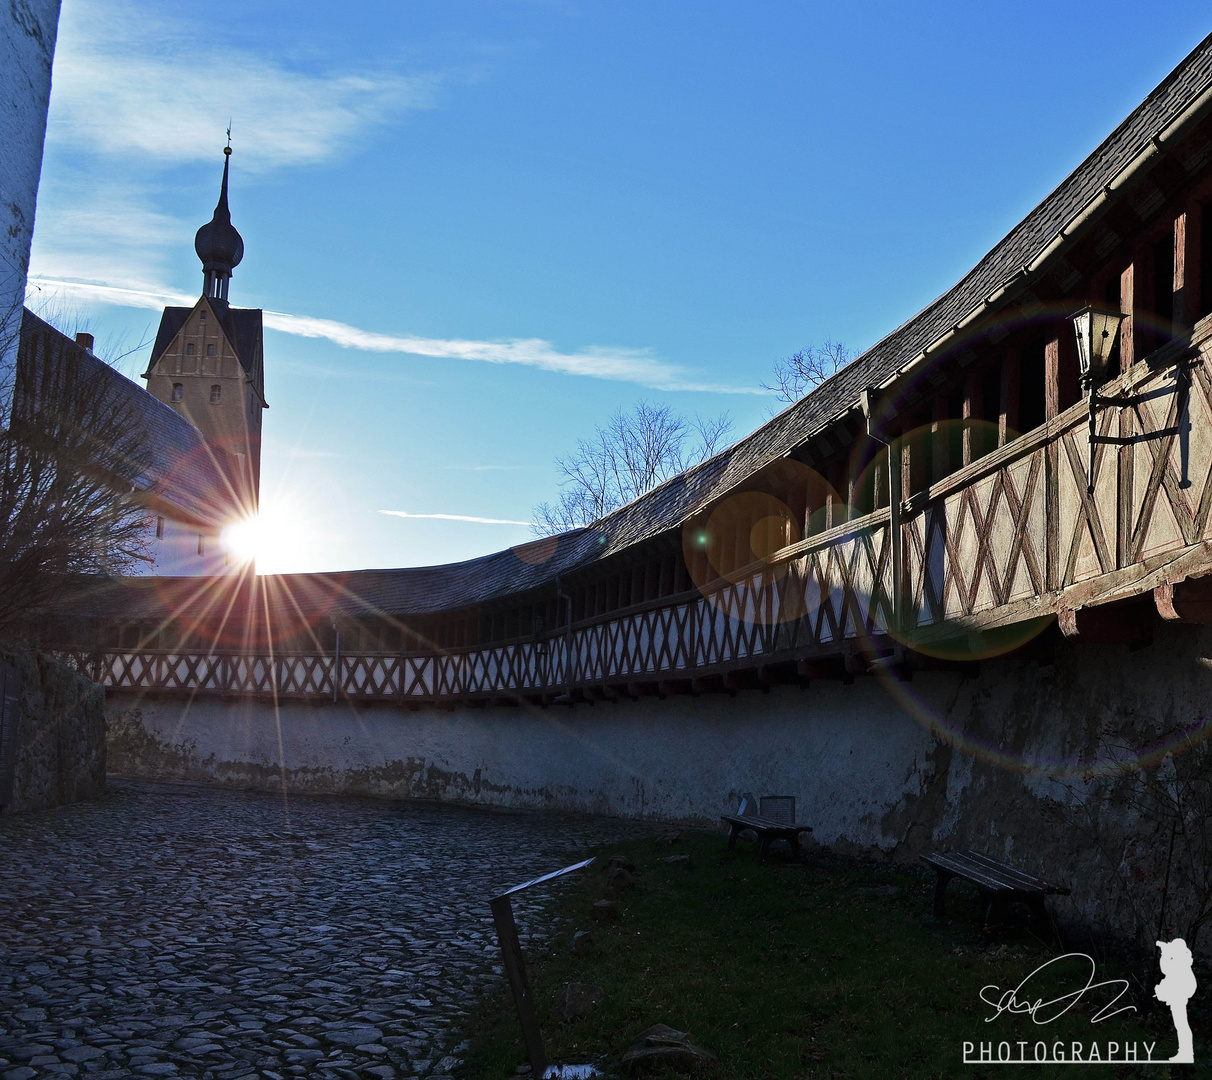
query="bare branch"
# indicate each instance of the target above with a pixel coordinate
(796, 375)
(632, 454)
(71, 460)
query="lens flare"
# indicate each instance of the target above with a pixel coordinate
(242, 540)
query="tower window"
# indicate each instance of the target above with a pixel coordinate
(202, 315)
(215, 391)
(189, 349)
(159, 528)
(210, 350)
(199, 543)
(178, 391)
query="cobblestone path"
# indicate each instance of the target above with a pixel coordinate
(180, 930)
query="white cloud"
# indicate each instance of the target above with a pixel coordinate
(124, 81)
(627, 365)
(456, 517)
(42, 287)
(619, 364)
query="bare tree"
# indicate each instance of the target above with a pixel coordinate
(797, 374)
(70, 318)
(632, 454)
(72, 457)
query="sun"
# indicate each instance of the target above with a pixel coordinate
(243, 539)
(280, 538)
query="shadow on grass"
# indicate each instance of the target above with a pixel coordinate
(829, 969)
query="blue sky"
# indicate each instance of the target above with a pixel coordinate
(482, 227)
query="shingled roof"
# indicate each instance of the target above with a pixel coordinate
(1022, 258)
(185, 475)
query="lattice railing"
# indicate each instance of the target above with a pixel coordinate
(835, 588)
(1011, 537)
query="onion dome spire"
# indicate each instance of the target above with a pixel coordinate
(218, 244)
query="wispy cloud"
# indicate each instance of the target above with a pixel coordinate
(122, 84)
(142, 88)
(456, 517)
(618, 364)
(488, 468)
(621, 364)
(41, 286)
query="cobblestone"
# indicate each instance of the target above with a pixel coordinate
(182, 931)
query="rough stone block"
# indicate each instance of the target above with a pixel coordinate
(574, 999)
(663, 1047)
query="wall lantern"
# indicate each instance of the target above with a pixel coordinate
(1096, 330)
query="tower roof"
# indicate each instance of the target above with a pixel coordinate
(217, 243)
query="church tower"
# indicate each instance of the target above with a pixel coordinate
(208, 360)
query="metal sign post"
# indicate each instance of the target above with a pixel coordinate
(515, 967)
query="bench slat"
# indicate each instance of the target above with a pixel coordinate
(974, 873)
(1013, 873)
(990, 874)
(761, 824)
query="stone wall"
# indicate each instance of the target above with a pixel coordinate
(60, 748)
(1026, 760)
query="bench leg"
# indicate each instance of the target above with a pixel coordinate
(1042, 925)
(795, 847)
(940, 893)
(997, 913)
(733, 831)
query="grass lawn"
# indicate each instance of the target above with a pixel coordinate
(825, 970)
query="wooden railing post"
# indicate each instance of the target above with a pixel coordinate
(1052, 408)
(1011, 384)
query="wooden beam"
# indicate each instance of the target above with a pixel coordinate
(1128, 624)
(1127, 329)
(972, 412)
(1188, 601)
(1188, 231)
(1143, 299)
(940, 451)
(1011, 386)
(1060, 371)
(1052, 378)
(912, 479)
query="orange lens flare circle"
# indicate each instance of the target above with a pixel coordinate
(944, 574)
(736, 543)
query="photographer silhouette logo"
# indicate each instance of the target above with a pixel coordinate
(1175, 989)
(1078, 977)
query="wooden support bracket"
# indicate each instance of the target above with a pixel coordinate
(1128, 624)
(1185, 601)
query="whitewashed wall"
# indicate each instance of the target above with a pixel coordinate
(883, 768)
(175, 552)
(27, 48)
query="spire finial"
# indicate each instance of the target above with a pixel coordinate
(218, 244)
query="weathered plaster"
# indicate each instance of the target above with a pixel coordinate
(841, 750)
(27, 48)
(869, 772)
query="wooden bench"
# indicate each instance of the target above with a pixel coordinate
(999, 883)
(774, 820)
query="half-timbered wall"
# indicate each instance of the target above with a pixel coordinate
(1012, 537)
